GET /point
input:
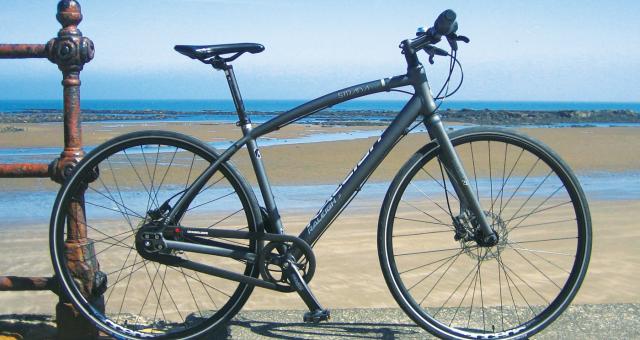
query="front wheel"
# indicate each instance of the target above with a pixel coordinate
(452, 286)
(109, 197)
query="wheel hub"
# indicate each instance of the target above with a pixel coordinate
(478, 251)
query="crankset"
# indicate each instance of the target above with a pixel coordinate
(276, 258)
(163, 244)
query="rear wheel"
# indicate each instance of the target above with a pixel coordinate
(116, 185)
(459, 289)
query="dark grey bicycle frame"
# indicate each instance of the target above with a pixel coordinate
(421, 102)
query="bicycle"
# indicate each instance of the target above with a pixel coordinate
(483, 233)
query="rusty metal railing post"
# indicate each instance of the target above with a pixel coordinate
(70, 51)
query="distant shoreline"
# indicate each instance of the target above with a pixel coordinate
(347, 117)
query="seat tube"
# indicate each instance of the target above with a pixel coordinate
(235, 94)
(274, 224)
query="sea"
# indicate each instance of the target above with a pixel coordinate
(271, 105)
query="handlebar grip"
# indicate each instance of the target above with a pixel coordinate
(446, 23)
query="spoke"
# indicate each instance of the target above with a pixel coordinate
(510, 244)
(526, 283)
(113, 236)
(504, 183)
(544, 240)
(109, 247)
(475, 285)
(123, 268)
(501, 193)
(151, 191)
(206, 284)
(534, 192)
(211, 201)
(519, 185)
(546, 223)
(535, 253)
(117, 188)
(453, 293)
(126, 288)
(120, 244)
(425, 233)
(440, 278)
(484, 326)
(536, 268)
(491, 199)
(186, 184)
(144, 302)
(429, 198)
(203, 286)
(155, 292)
(428, 264)
(422, 221)
(433, 251)
(166, 172)
(175, 305)
(440, 184)
(435, 270)
(118, 204)
(225, 218)
(110, 197)
(422, 211)
(118, 241)
(473, 269)
(513, 300)
(120, 273)
(106, 208)
(136, 172)
(190, 291)
(159, 305)
(475, 176)
(212, 184)
(500, 287)
(536, 212)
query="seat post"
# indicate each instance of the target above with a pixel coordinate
(235, 93)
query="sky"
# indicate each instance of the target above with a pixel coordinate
(520, 50)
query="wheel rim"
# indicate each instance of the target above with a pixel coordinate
(450, 285)
(143, 298)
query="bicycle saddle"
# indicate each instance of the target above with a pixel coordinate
(205, 52)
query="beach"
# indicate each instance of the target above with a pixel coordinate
(348, 273)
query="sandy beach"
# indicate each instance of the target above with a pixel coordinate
(348, 274)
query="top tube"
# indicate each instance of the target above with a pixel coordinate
(328, 100)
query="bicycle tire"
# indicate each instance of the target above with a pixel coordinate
(403, 237)
(136, 172)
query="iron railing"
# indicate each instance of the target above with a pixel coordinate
(70, 51)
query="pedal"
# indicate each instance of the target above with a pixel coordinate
(317, 316)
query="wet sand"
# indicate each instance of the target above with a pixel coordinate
(584, 149)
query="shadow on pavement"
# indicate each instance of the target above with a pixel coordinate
(338, 330)
(27, 326)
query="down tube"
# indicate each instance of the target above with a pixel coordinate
(361, 172)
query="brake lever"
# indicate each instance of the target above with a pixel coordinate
(433, 51)
(454, 38)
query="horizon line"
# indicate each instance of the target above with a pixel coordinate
(306, 99)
